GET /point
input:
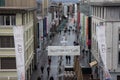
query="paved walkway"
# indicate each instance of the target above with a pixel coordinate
(70, 38)
(54, 69)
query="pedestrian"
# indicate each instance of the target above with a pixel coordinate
(69, 58)
(66, 59)
(60, 31)
(49, 61)
(51, 78)
(74, 43)
(48, 70)
(39, 78)
(42, 68)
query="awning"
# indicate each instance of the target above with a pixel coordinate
(93, 63)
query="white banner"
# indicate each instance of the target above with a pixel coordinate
(19, 49)
(63, 50)
(100, 32)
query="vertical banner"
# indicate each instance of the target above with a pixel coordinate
(86, 31)
(100, 32)
(83, 30)
(78, 20)
(19, 49)
(89, 32)
(41, 29)
(44, 27)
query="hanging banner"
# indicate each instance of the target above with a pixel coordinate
(100, 32)
(45, 27)
(19, 49)
(63, 50)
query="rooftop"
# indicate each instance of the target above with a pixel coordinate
(106, 4)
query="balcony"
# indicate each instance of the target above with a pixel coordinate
(18, 3)
(6, 30)
(105, 2)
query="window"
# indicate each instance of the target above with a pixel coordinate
(103, 12)
(118, 77)
(1, 20)
(13, 20)
(119, 57)
(100, 12)
(7, 20)
(2, 2)
(23, 19)
(6, 42)
(8, 63)
(119, 36)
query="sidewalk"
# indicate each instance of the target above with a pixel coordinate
(42, 62)
(55, 59)
(54, 69)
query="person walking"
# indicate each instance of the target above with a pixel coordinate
(69, 59)
(48, 70)
(42, 68)
(49, 61)
(74, 43)
(39, 78)
(51, 78)
(66, 59)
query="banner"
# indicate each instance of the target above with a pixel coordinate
(100, 33)
(63, 50)
(19, 49)
(44, 27)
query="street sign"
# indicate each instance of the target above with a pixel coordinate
(63, 50)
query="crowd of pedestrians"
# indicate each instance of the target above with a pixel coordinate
(48, 71)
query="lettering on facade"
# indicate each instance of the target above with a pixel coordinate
(19, 47)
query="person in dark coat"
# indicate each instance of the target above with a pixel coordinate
(42, 68)
(49, 61)
(48, 70)
(66, 59)
(74, 43)
(69, 59)
(39, 78)
(51, 78)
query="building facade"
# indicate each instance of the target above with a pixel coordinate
(16, 13)
(107, 13)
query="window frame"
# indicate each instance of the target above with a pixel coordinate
(6, 60)
(12, 19)
(7, 42)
